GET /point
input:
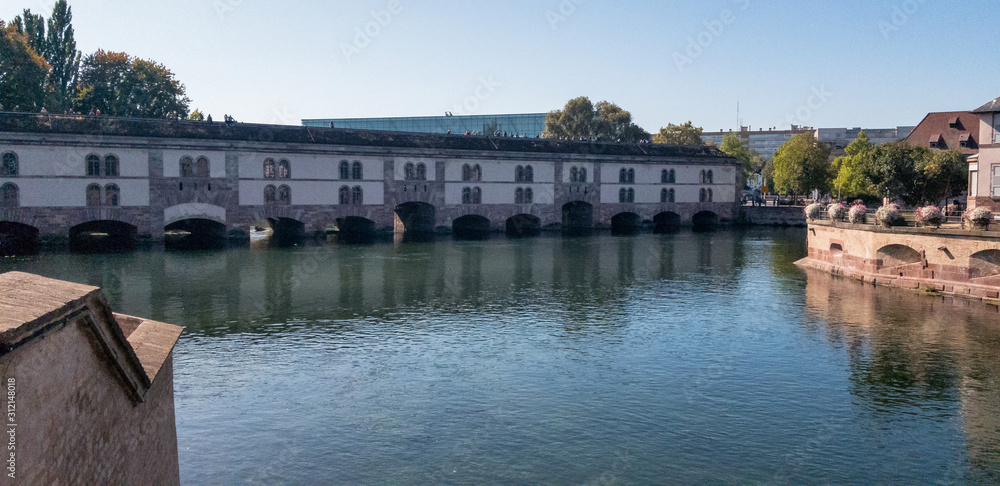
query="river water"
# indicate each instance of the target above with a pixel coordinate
(683, 358)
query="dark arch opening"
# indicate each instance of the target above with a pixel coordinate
(471, 227)
(524, 225)
(286, 231)
(415, 217)
(18, 239)
(195, 234)
(897, 256)
(103, 236)
(666, 222)
(578, 218)
(626, 224)
(985, 263)
(355, 230)
(705, 221)
(836, 249)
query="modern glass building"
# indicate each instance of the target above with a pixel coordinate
(530, 124)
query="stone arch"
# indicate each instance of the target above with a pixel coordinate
(471, 226)
(355, 229)
(666, 222)
(18, 238)
(577, 215)
(195, 234)
(705, 220)
(893, 256)
(985, 263)
(626, 223)
(204, 211)
(415, 217)
(103, 235)
(836, 249)
(287, 231)
(523, 225)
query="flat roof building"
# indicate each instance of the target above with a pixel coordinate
(530, 124)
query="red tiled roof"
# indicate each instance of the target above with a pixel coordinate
(937, 127)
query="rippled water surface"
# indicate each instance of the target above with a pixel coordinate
(685, 358)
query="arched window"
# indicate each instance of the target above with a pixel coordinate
(269, 171)
(529, 196)
(466, 173)
(670, 196)
(270, 195)
(111, 166)
(623, 176)
(663, 195)
(665, 177)
(466, 195)
(284, 195)
(583, 175)
(201, 168)
(187, 167)
(673, 177)
(622, 195)
(345, 195)
(93, 195)
(708, 178)
(477, 173)
(9, 167)
(111, 195)
(409, 172)
(709, 195)
(9, 196)
(519, 196)
(631, 176)
(631, 195)
(477, 195)
(93, 165)
(519, 174)
(284, 169)
(421, 172)
(574, 175)
(357, 196)
(345, 170)
(702, 196)
(701, 178)
(357, 171)
(529, 174)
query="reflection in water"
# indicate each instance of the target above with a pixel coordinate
(688, 358)
(910, 353)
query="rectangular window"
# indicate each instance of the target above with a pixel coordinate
(996, 181)
(974, 183)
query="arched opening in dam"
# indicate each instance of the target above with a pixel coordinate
(103, 236)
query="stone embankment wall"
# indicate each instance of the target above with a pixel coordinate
(772, 216)
(962, 263)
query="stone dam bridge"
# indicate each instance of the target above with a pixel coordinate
(63, 176)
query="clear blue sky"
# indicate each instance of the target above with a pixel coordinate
(878, 63)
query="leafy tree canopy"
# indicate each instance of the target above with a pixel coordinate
(801, 165)
(851, 180)
(750, 160)
(57, 46)
(119, 85)
(581, 119)
(22, 72)
(686, 134)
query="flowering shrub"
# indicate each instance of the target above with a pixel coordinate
(837, 211)
(978, 216)
(889, 215)
(813, 210)
(952, 209)
(929, 216)
(858, 214)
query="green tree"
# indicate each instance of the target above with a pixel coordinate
(116, 84)
(580, 118)
(686, 134)
(851, 180)
(61, 54)
(892, 169)
(750, 160)
(22, 72)
(196, 115)
(944, 175)
(33, 27)
(801, 165)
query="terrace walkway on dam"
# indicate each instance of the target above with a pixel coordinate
(64, 176)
